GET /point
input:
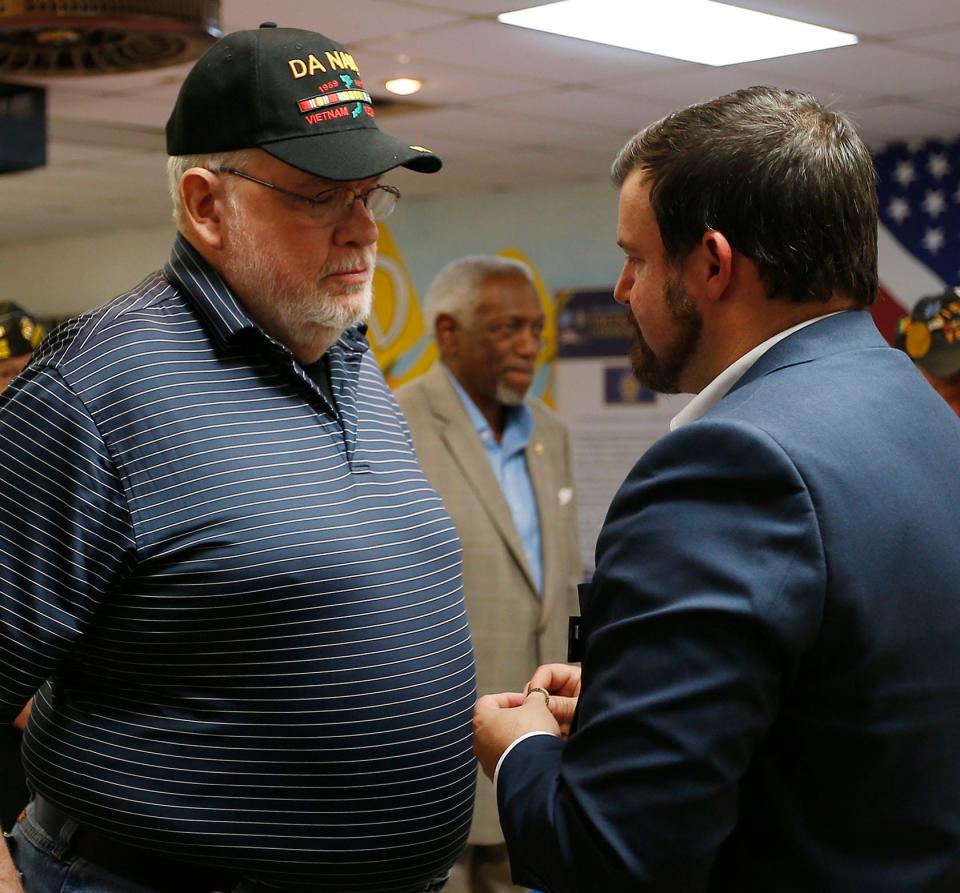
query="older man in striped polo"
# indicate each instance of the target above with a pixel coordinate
(234, 591)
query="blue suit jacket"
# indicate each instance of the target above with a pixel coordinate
(771, 681)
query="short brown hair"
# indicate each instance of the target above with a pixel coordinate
(789, 183)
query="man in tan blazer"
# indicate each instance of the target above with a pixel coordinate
(500, 460)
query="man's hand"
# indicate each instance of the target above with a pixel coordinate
(498, 720)
(563, 683)
(558, 679)
(9, 876)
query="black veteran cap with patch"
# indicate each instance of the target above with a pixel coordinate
(931, 333)
(295, 94)
(20, 333)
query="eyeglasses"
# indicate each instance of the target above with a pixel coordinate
(334, 205)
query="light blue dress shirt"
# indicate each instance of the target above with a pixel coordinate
(509, 462)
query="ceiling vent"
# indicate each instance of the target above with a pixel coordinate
(44, 38)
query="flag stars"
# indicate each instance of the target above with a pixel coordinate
(938, 166)
(919, 198)
(934, 203)
(898, 209)
(905, 173)
(933, 240)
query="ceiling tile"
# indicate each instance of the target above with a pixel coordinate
(442, 83)
(681, 88)
(864, 69)
(492, 128)
(864, 17)
(589, 110)
(943, 41)
(344, 22)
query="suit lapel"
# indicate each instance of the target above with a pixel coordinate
(461, 438)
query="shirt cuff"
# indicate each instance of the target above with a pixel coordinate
(503, 756)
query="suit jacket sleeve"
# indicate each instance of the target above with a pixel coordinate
(709, 588)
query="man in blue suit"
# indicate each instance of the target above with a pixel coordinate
(770, 689)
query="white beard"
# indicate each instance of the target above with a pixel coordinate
(289, 306)
(507, 396)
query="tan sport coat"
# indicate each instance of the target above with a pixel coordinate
(513, 629)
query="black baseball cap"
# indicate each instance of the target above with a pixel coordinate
(20, 333)
(295, 94)
(931, 333)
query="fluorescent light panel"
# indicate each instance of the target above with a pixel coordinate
(693, 30)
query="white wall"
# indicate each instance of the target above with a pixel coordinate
(569, 233)
(61, 277)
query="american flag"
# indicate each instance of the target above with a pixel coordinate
(919, 239)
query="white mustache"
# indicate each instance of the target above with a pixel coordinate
(363, 260)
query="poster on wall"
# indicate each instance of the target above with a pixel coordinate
(612, 418)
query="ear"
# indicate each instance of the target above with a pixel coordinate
(714, 264)
(445, 330)
(203, 200)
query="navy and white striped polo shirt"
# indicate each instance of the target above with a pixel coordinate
(249, 600)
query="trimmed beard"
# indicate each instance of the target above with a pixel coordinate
(507, 396)
(290, 303)
(662, 373)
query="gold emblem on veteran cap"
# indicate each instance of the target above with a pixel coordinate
(27, 329)
(918, 339)
(419, 149)
(930, 335)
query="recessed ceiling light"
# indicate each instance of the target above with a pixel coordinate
(404, 86)
(694, 30)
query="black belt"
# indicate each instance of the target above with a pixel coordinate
(148, 867)
(144, 866)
